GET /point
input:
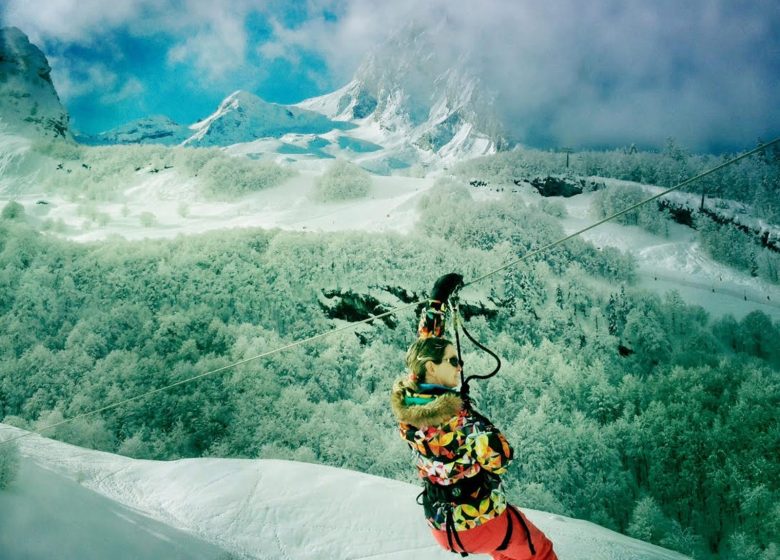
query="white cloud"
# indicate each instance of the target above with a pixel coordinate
(79, 21)
(73, 79)
(343, 43)
(211, 36)
(574, 71)
(133, 87)
(208, 34)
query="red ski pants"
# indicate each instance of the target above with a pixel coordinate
(486, 538)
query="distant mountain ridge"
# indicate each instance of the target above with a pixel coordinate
(418, 97)
(240, 117)
(158, 129)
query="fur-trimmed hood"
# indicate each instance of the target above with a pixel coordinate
(438, 411)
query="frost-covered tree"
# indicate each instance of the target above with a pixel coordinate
(342, 181)
(618, 198)
(647, 337)
(229, 178)
(648, 522)
(9, 463)
(12, 211)
(147, 219)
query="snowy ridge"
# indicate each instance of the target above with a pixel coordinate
(243, 117)
(439, 112)
(281, 509)
(230, 103)
(150, 130)
(731, 210)
(329, 103)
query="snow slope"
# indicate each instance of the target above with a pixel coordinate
(177, 209)
(95, 528)
(284, 510)
(677, 262)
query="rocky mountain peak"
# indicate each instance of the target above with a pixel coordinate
(415, 89)
(28, 100)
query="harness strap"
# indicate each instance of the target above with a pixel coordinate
(452, 532)
(508, 537)
(464, 381)
(514, 510)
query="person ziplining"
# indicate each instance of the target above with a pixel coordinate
(460, 455)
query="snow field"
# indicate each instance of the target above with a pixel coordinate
(286, 510)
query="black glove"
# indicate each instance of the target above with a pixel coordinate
(445, 286)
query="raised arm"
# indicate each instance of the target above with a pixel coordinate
(432, 319)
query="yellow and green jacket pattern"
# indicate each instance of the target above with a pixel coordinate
(453, 447)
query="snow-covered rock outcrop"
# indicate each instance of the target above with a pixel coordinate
(28, 100)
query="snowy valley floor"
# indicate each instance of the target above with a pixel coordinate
(108, 506)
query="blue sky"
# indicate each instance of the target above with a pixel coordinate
(565, 72)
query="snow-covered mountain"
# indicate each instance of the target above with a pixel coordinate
(157, 129)
(417, 101)
(28, 100)
(241, 117)
(244, 117)
(252, 509)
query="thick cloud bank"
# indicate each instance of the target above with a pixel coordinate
(565, 72)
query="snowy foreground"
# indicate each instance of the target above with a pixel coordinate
(98, 505)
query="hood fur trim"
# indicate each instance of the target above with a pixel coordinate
(442, 409)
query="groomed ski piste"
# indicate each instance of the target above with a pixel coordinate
(73, 502)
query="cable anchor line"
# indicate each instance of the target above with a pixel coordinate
(393, 311)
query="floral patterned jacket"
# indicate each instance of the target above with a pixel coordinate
(453, 447)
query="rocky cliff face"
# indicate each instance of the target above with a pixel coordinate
(28, 100)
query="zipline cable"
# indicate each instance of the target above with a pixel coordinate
(351, 326)
(218, 370)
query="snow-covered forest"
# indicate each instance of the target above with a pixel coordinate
(629, 409)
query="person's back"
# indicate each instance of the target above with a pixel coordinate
(459, 453)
